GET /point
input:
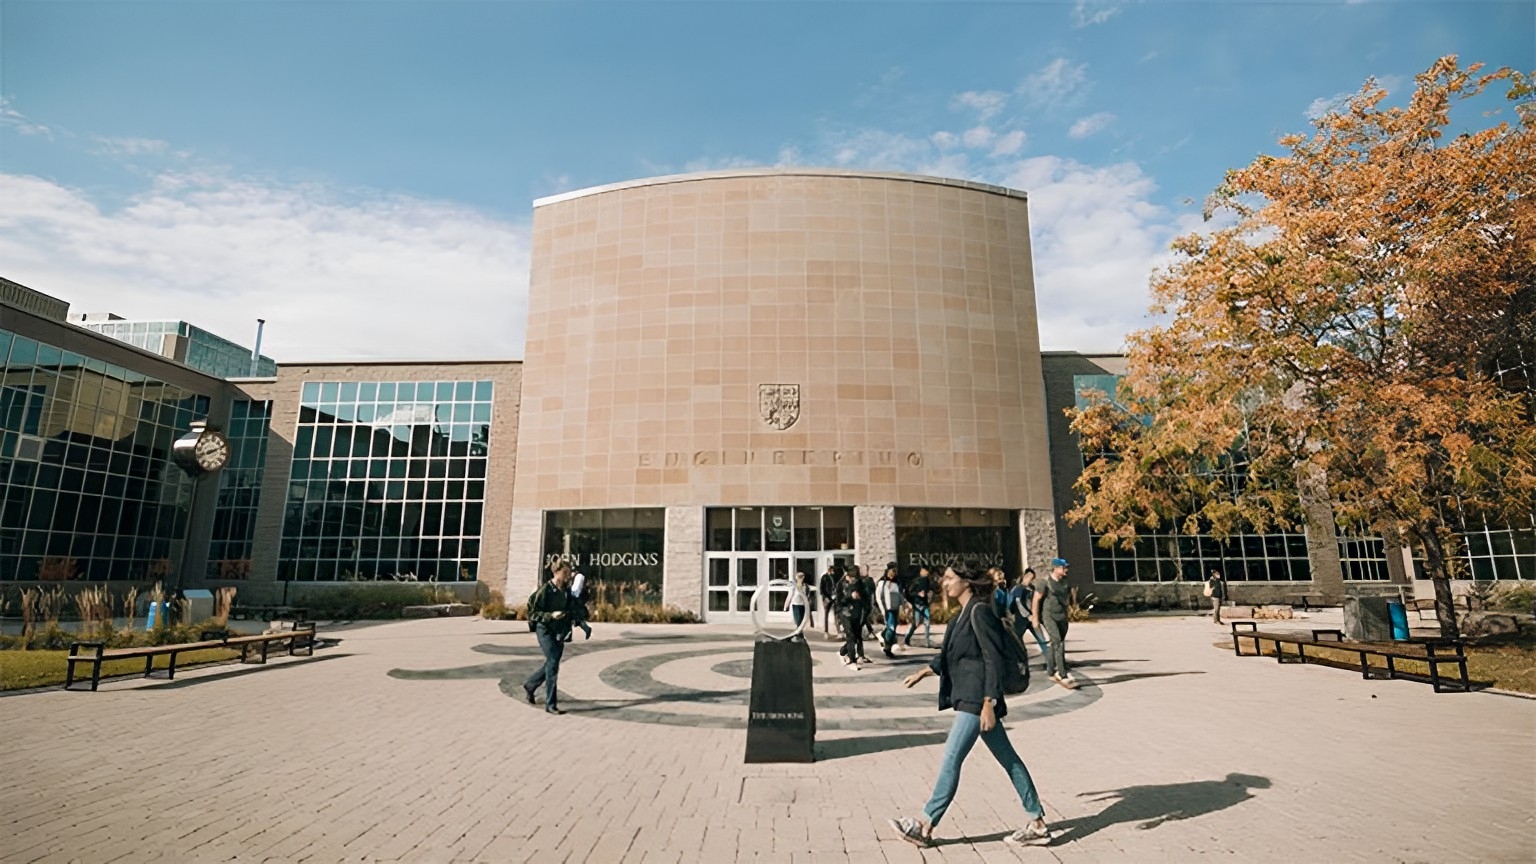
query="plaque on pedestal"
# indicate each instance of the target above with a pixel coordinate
(781, 718)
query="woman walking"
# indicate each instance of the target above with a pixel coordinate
(969, 667)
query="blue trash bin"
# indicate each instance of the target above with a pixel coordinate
(157, 613)
(1398, 614)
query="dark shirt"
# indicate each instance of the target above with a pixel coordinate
(969, 669)
(546, 601)
(1218, 588)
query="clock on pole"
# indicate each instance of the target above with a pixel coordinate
(204, 450)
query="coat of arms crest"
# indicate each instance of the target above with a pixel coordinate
(779, 404)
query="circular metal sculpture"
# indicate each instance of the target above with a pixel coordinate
(760, 616)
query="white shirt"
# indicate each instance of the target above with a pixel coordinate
(796, 597)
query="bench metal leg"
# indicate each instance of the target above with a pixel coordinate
(1365, 666)
(1392, 668)
(170, 668)
(149, 665)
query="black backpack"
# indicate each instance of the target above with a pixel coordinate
(1014, 676)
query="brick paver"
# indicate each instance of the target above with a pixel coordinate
(1177, 751)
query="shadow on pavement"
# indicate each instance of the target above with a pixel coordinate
(1151, 806)
(238, 670)
(842, 748)
(1132, 676)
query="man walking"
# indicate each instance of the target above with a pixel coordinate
(1021, 599)
(579, 613)
(888, 598)
(919, 592)
(549, 608)
(1050, 610)
(1216, 589)
(828, 588)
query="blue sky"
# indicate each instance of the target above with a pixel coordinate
(361, 173)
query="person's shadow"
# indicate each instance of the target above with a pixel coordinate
(1151, 806)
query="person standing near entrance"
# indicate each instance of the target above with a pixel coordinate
(888, 598)
(869, 603)
(827, 588)
(1052, 598)
(854, 610)
(550, 608)
(919, 594)
(1216, 589)
(797, 602)
(969, 667)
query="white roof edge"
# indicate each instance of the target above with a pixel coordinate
(778, 172)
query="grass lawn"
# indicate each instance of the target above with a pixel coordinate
(22, 669)
(1509, 665)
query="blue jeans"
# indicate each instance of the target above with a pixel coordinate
(962, 737)
(1021, 626)
(799, 613)
(920, 612)
(553, 648)
(888, 635)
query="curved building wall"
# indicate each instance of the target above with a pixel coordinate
(900, 308)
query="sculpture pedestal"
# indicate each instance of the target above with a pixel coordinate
(781, 716)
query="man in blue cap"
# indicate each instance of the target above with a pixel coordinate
(1052, 598)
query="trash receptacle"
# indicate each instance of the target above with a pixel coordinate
(158, 612)
(199, 604)
(1398, 614)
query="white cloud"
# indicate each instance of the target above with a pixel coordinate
(1097, 234)
(131, 147)
(1327, 104)
(1009, 144)
(977, 137)
(1058, 82)
(1096, 238)
(1087, 13)
(986, 103)
(1090, 125)
(13, 119)
(336, 274)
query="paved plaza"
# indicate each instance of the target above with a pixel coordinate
(410, 742)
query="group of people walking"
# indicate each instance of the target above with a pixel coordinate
(861, 608)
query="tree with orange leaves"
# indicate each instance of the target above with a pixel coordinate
(1362, 332)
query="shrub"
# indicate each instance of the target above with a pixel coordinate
(364, 600)
(494, 607)
(1512, 597)
(640, 613)
(1078, 609)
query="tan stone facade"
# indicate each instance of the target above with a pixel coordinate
(781, 337)
(902, 308)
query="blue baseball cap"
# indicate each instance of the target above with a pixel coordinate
(1058, 562)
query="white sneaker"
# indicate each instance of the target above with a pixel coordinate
(1033, 834)
(846, 661)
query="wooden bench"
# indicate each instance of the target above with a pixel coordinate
(1310, 600)
(1432, 652)
(301, 638)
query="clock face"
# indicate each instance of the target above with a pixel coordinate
(211, 451)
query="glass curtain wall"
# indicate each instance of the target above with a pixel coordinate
(89, 488)
(618, 551)
(234, 520)
(937, 537)
(388, 481)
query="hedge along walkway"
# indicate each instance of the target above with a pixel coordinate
(20, 670)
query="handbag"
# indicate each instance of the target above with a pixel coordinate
(1014, 676)
(1209, 591)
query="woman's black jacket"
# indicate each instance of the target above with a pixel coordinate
(969, 669)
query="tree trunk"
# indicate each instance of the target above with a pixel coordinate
(1434, 564)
